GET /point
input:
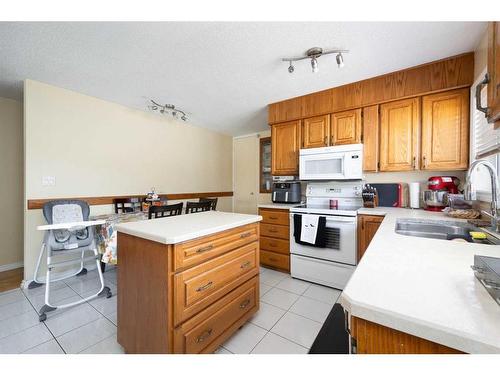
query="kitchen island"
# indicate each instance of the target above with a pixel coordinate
(186, 283)
(419, 295)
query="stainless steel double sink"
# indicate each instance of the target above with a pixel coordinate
(443, 230)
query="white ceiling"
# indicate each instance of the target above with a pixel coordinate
(222, 74)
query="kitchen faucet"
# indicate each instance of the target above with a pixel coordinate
(469, 194)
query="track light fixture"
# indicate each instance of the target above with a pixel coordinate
(168, 109)
(314, 54)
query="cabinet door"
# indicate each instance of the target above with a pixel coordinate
(445, 130)
(285, 147)
(346, 127)
(399, 125)
(494, 73)
(370, 138)
(315, 132)
(367, 227)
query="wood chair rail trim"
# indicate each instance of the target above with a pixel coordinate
(35, 204)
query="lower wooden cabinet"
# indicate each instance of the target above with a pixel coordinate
(367, 227)
(372, 338)
(275, 238)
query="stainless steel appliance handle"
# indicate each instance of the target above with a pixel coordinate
(479, 87)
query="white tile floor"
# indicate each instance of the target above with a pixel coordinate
(290, 316)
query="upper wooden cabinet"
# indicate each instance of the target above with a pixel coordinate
(494, 72)
(316, 131)
(370, 138)
(285, 147)
(447, 74)
(399, 125)
(346, 127)
(445, 130)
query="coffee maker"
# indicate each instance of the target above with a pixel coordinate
(438, 188)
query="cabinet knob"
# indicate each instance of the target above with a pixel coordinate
(244, 304)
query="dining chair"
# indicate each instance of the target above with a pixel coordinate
(213, 202)
(165, 211)
(124, 205)
(193, 207)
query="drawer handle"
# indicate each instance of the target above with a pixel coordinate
(245, 235)
(204, 287)
(206, 248)
(273, 218)
(205, 335)
(273, 231)
(272, 244)
(246, 264)
(273, 259)
(244, 304)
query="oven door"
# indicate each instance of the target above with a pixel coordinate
(340, 241)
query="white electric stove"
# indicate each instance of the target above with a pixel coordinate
(334, 264)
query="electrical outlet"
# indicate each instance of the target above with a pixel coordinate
(48, 181)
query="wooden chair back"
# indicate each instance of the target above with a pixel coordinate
(123, 205)
(165, 211)
(193, 207)
(213, 202)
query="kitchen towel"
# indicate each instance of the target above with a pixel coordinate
(318, 228)
(309, 228)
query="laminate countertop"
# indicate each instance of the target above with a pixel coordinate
(279, 206)
(424, 287)
(176, 229)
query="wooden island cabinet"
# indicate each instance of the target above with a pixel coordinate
(188, 296)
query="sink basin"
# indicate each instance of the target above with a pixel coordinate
(440, 229)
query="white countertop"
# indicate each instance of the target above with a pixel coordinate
(279, 206)
(175, 229)
(424, 287)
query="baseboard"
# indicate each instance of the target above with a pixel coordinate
(11, 266)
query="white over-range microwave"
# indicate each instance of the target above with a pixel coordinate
(332, 163)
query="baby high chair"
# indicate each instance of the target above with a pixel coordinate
(68, 232)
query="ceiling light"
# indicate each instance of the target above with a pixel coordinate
(314, 54)
(168, 109)
(340, 60)
(314, 65)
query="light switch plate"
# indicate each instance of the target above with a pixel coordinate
(48, 181)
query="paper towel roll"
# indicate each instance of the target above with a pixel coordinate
(415, 194)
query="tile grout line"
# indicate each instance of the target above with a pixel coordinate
(48, 329)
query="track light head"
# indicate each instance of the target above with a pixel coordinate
(340, 60)
(291, 69)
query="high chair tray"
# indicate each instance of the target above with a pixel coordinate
(75, 225)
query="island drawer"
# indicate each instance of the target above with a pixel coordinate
(199, 286)
(270, 216)
(196, 251)
(276, 231)
(207, 330)
(275, 245)
(275, 260)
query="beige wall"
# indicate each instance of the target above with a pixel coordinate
(96, 148)
(481, 56)
(11, 187)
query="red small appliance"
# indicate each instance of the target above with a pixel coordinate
(438, 187)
